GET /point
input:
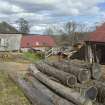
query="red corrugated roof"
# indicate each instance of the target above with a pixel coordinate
(37, 40)
(98, 35)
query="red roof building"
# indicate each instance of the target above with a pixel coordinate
(98, 35)
(37, 41)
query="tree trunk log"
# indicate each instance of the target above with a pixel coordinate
(91, 93)
(94, 68)
(96, 71)
(80, 64)
(65, 78)
(83, 75)
(34, 95)
(87, 90)
(54, 98)
(101, 91)
(65, 92)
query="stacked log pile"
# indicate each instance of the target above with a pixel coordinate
(95, 77)
(65, 78)
(82, 74)
(63, 83)
(63, 91)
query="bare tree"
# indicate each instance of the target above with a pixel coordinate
(49, 31)
(70, 33)
(71, 28)
(23, 26)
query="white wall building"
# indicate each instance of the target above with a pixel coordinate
(10, 42)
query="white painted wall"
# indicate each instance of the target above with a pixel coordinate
(43, 49)
(10, 42)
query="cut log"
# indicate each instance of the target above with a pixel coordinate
(80, 64)
(100, 85)
(65, 78)
(63, 91)
(54, 98)
(83, 75)
(91, 93)
(96, 71)
(101, 92)
(34, 95)
(95, 68)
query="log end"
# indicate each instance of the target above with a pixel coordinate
(84, 76)
(91, 93)
(96, 75)
(71, 81)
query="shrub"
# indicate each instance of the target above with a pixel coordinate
(33, 56)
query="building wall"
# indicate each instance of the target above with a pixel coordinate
(10, 42)
(43, 49)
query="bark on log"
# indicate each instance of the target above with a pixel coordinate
(54, 98)
(96, 71)
(83, 75)
(80, 64)
(101, 92)
(65, 92)
(34, 95)
(65, 78)
(94, 68)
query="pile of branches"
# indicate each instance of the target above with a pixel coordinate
(63, 83)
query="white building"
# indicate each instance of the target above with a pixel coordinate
(10, 42)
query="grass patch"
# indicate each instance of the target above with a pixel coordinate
(33, 56)
(10, 94)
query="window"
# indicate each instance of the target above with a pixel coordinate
(4, 42)
(0, 42)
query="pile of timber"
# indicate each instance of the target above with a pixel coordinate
(63, 77)
(86, 75)
(82, 74)
(83, 71)
(65, 92)
(37, 93)
(62, 83)
(94, 68)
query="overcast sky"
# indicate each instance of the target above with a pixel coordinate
(43, 13)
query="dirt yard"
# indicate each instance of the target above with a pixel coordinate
(10, 94)
(13, 66)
